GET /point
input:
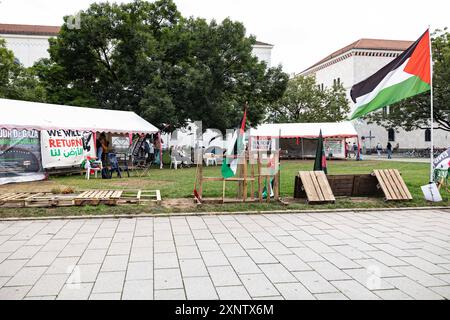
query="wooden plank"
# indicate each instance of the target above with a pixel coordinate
(84, 194)
(316, 185)
(397, 181)
(387, 192)
(158, 196)
(117, 194)
(6, 195)
(138, 196)
(388, 185)
(393, 184)
(382, 184)
(403, 184)
(308, 186)
(325, 186)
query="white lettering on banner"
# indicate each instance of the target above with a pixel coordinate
(65, 148)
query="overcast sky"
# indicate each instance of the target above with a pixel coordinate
(303, 32)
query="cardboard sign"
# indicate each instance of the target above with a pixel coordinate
(431, 192)
(66, 148)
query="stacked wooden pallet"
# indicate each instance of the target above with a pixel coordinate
(117, 197)
(88, 197)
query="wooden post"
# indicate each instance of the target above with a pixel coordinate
(259, 176)
(223, 191)
(244, 173)
(200, 175)
(268, 188)
(276, 190)
(252, 186)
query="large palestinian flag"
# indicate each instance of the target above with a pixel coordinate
(403, 77)
(234, 149)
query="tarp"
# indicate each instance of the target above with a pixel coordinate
(343, 129)
(16, 114)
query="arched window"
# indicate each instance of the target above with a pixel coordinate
(391, 135)
(427, 135)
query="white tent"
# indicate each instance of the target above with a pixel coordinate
(343, 129)
(16, 114)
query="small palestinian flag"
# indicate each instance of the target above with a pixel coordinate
(403, 77)
(320, 163)
(234, 149)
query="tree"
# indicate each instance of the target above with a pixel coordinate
(145, 57)
(304, 101)
(16, 81)
(414, 113)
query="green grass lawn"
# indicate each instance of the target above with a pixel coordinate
(179, 184)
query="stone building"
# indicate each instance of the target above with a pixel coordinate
(356, 62)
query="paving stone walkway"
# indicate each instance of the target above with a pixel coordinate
(371, 255)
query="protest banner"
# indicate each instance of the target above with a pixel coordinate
(20, 156)
(66, 148)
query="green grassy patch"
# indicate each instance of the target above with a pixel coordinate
(179, 184)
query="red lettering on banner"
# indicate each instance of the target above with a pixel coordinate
(51, 143)
(58, 143)
(79, 142)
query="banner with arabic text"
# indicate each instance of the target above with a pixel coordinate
(66, 148)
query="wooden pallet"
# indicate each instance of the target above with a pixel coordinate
(316, 186)
(96, 197)
(117, 197)
(140, 197)
(47, 199)
(88, 197)
(392, 184)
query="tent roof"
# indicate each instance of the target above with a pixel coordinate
(305, 130)
(16, 114)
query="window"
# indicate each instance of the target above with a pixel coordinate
(427, 135)
(391, 135)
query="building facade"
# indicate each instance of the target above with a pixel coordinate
(355, 63)
(30, 43)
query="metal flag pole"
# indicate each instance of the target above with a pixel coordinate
(431, 109)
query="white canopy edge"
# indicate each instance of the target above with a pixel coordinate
(17, 114)
(343, 129)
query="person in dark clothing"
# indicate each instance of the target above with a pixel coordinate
(389, 150)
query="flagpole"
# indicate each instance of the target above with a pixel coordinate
(431, 104)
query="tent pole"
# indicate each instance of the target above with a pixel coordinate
(431, 109)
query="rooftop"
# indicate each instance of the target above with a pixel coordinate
(26, 29)
(368, 44)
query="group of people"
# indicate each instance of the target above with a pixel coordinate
(151, 148)
(353, 150)
(389, 149)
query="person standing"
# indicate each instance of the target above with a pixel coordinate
(389, 150)
(345, 149)
(379, 148)
(355, 150)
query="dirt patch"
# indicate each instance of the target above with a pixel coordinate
(35, 186)
(179, 203)
(137, 183)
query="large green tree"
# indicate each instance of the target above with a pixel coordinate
(147, 58)
(16, 81)
(304, 101)
(414, 113)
